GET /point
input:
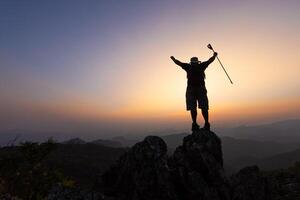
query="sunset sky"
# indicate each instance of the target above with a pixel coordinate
(101, 66)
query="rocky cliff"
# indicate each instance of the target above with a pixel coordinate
(198, 168)
(142, 173)
(194, 171)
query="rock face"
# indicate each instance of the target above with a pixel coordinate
(249, 184)
(198, 168)
(142, 173)
(195, 171)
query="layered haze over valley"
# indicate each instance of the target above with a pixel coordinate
(270, 146)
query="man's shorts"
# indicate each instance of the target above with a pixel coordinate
(194, 95)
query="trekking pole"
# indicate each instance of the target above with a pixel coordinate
(211, 48)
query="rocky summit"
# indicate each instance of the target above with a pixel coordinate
(142, 173)
(198, 168)
(194, 171)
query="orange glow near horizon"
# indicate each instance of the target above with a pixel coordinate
(222, 113)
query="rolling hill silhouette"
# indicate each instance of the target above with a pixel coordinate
(286, 131)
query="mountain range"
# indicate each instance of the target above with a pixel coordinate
(270, 146)
(287, 131)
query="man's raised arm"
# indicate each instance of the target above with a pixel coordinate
(177, 62)
(212, 58)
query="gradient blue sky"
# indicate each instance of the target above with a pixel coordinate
(87, 65)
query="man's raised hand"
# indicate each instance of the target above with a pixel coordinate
(172, 57)
(215, 54)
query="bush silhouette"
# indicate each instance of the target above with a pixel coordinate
(24, 174)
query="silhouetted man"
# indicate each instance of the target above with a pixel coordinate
(196, 90)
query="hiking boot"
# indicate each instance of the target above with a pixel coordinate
(195, 127)
(207, 126)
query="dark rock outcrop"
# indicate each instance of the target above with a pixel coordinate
(249, 184)
(284, 183)
(195, 171)
(198, 168)
(142, 173)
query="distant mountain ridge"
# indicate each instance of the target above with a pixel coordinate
(74, 141)
(237, 152)
(107, 143)
(282, 160)
(235, 148)
(287, 131)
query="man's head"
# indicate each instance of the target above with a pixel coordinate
(194, 60)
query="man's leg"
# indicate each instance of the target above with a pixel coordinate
(191, 104)
(203, 104)
(195, 126)
(194, 115)
(205, 116)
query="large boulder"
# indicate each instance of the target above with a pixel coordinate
(142, 173)
(197, 168)
(249, 183)
(195, 171)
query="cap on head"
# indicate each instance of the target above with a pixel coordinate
(194, 60)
